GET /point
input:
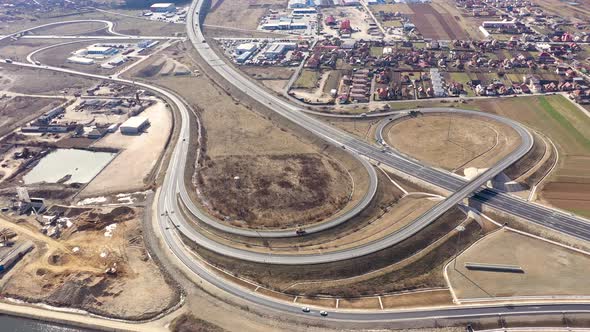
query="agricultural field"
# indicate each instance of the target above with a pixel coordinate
(548, 269)
(436, 25)
(568, 127)
(579, 13)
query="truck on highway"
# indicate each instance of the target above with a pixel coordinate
(8, 60)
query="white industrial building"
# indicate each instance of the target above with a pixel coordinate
(298, 4)
(164, 7)
(134, 125)
(80, 60)
(277, 49)
(246, 47)
(101, 50)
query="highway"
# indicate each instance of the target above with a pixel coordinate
(551, 218)
(167, 200)
(461, 189)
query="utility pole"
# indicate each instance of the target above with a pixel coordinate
(460, 229)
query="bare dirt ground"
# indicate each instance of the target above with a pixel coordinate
(241, 14)
(38, 81)
(449, 11)
(139, 154)
(453, 142)
(164, 66)
(434, 24)
(418, 299)
(548, 269)
(71, 271)
(189, 323)
(9, 165)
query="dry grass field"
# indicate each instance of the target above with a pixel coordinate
(18, 50)
(38, 81)
(452, 142)
(288, 179)
(275, 78)
(548, 269)
(263, 190)
(72, 29)
(241, 14)
(568, 187)
(579, 13)
(15, 111)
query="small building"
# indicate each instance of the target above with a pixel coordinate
(46, 118)
(246, 47)
(117, 61)
(134, 125)
(304, 11)
(80, 60)
(244, 57)
(278, 49)
(146, 43)
(163, 7)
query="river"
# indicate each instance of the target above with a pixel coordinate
(15, 324)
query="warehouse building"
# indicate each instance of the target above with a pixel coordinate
(80, 60)
(277, 50)
(134, 125)
(101, 50)
(246, 47)
(164, 7)
(243, 57)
